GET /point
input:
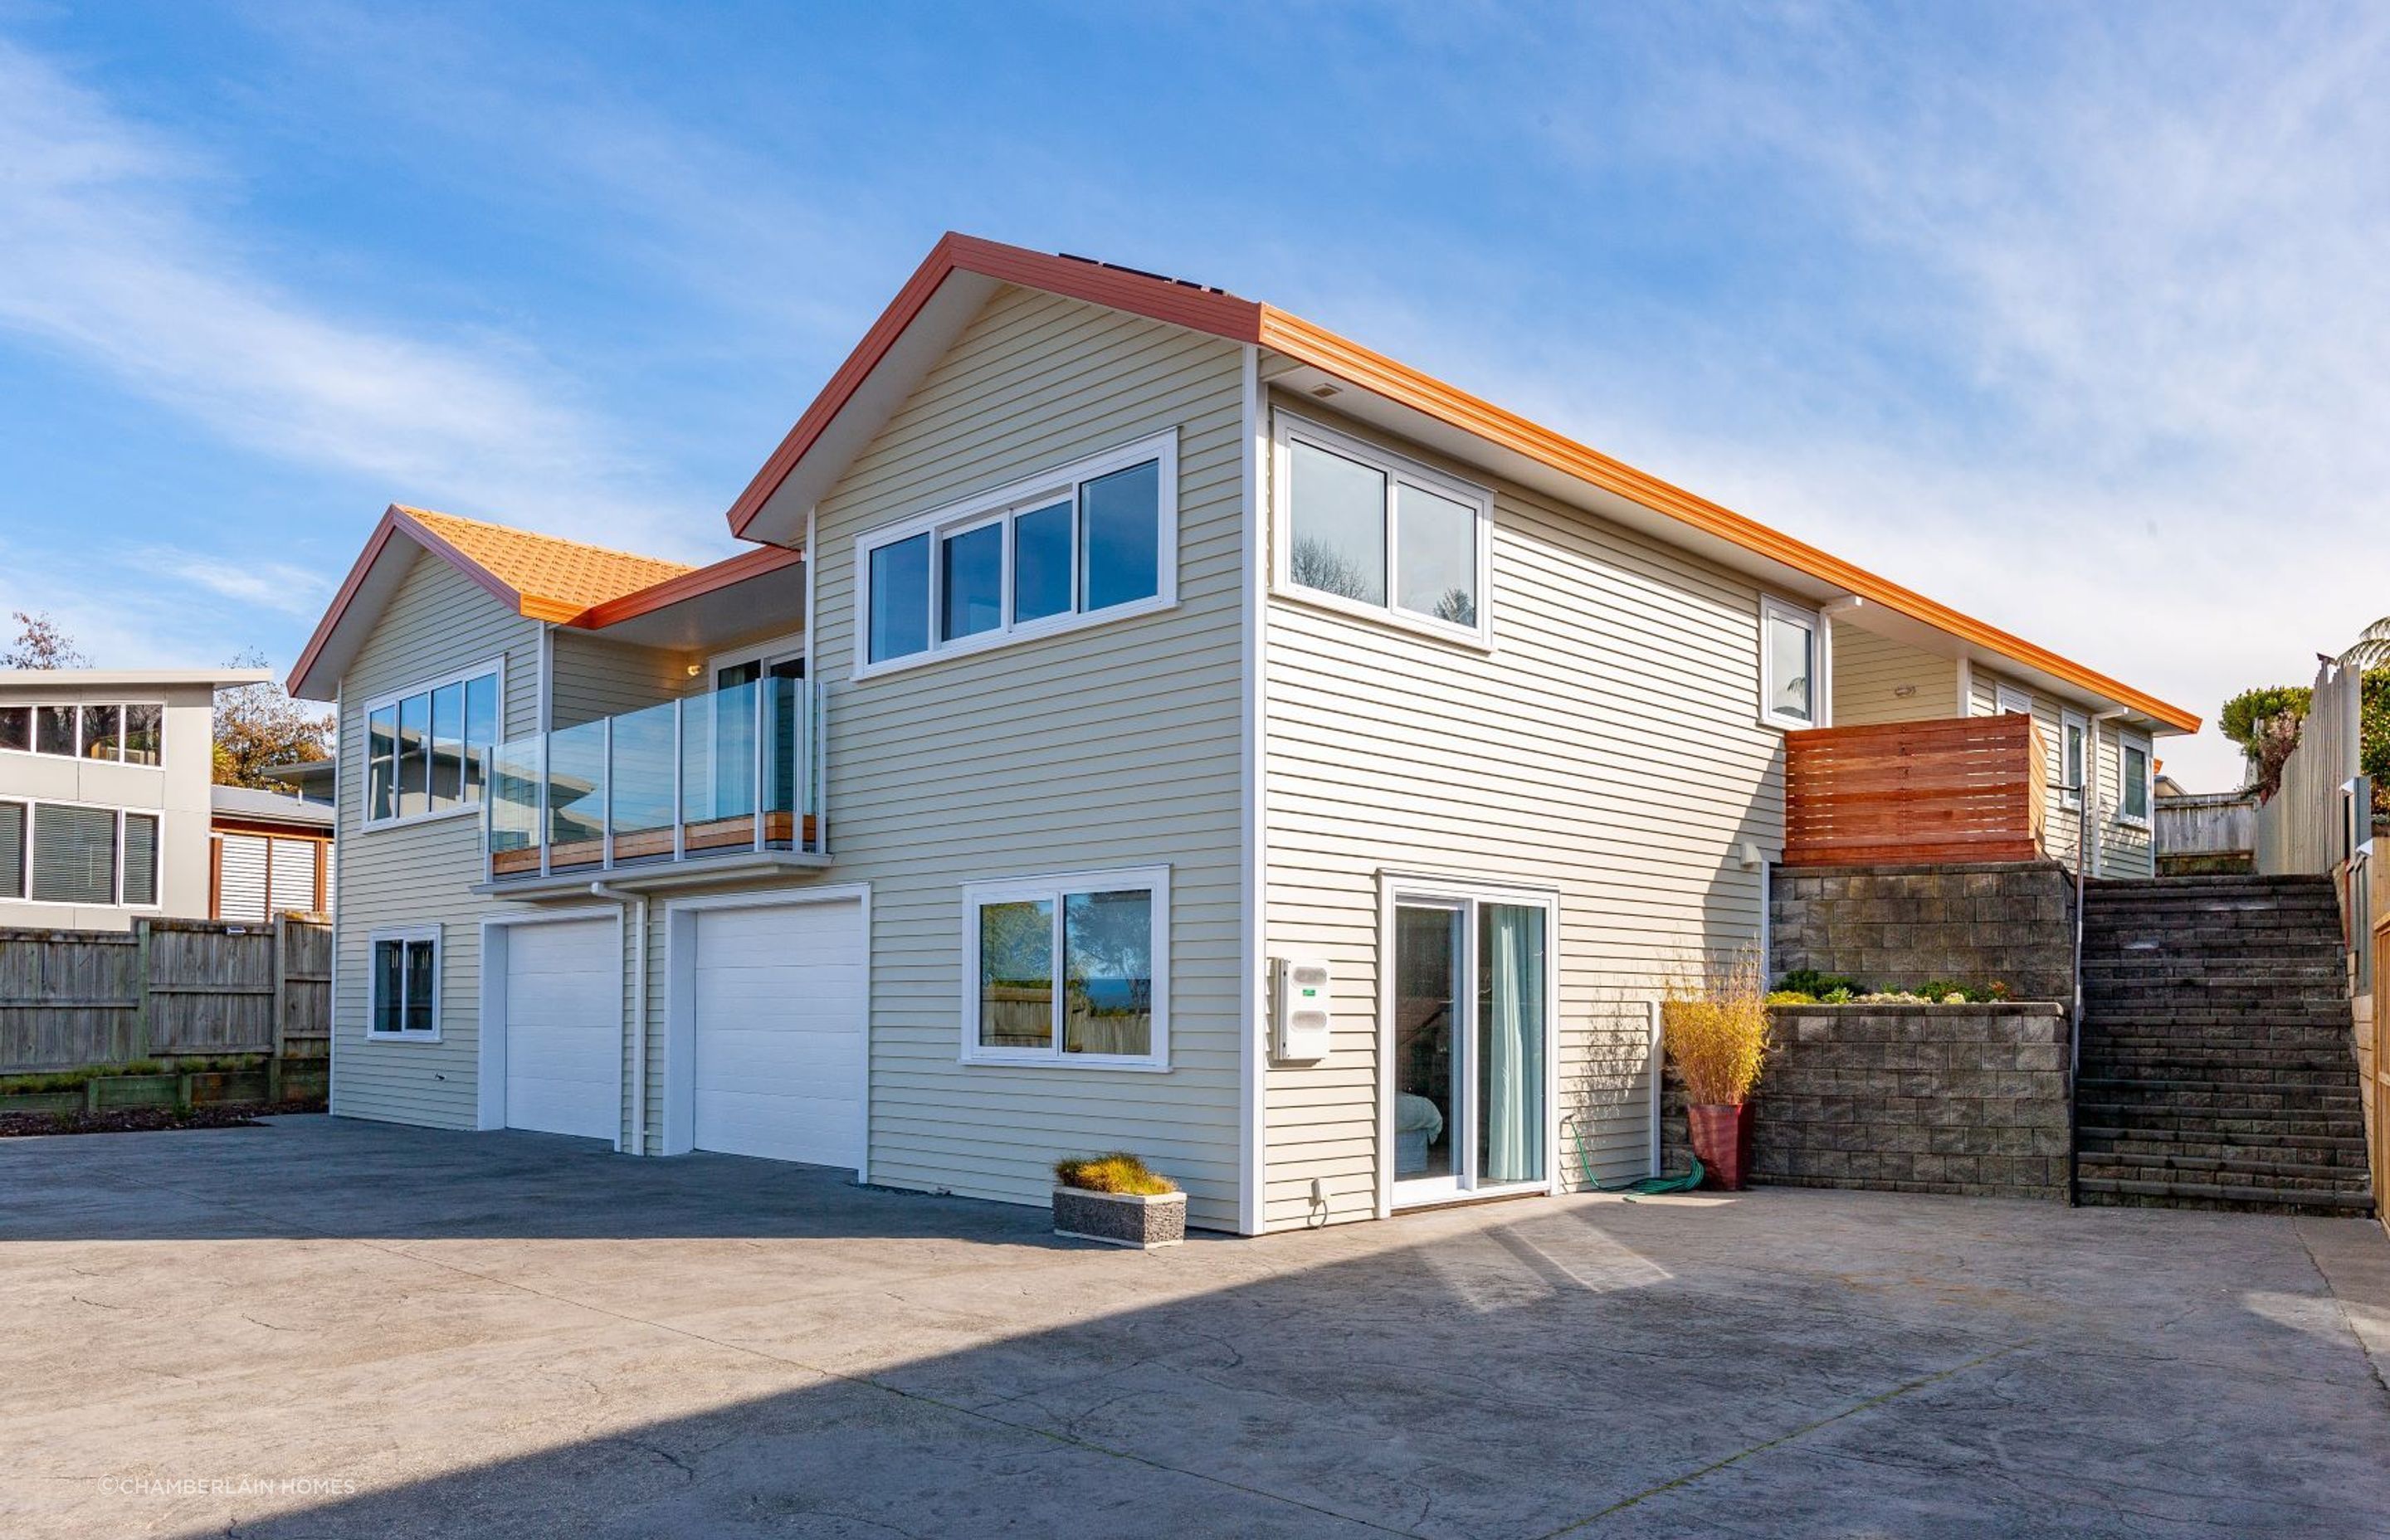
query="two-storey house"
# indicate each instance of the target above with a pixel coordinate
(1145, 720)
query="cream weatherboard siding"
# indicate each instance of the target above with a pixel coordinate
(437, 622)
(2124, 850)
(1608, 748)
(1870, 669)
(1110, 747)
(595, 678)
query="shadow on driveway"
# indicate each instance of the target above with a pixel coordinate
(735, 1353)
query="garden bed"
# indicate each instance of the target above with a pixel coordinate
(144, 1120)
(99, 1090)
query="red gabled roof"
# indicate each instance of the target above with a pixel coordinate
(542, 577)
(1247, 321)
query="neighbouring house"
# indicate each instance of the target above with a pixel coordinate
(104, 793)
(1145, 720)
(314, 781)
(268, 854)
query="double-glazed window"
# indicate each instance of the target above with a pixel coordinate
(2135, 792)
(404, 985)
(119, 733)
(67, 853)
(1792, 665)
(1364, 528)
(428, 751)
(1089, 542)
(1068, 970)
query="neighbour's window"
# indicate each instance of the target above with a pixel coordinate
(1069, 970)
(2074, 737)
(405, 985)
(1366, 528)
(1086, 541)
(428, 751)
(1788, 683)
(117, 732)
(66, 852)
(2136, 782)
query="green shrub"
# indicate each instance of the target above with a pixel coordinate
(1119, 1172)
(1808, 981)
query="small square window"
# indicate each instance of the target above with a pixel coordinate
(404, 985)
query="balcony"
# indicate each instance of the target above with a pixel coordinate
(1949, 789)
(708, 785)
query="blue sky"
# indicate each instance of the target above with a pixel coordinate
(2074, 317)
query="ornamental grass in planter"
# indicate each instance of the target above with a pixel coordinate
(1119, 1200)
(1714, 1022)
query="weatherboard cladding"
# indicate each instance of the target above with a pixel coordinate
(438, 622)
(1608, 749)
(1870, 669)
(1116, 746)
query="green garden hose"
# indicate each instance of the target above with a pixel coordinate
(1646, 1187)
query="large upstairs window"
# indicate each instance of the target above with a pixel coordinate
(428, 750)
(1093, 541)
(1367, 531)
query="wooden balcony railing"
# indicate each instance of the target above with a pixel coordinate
(1953, 788)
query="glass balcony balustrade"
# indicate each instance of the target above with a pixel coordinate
(707, 776)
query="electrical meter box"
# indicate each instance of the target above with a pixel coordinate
(1302, 1015)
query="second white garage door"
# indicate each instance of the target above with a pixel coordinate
(777, 997)
(564, 1028)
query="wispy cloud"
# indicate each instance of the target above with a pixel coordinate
(277, 586)
(109, 255)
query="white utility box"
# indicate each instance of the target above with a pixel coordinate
(1302, 1014)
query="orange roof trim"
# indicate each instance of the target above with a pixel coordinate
(1238, 320)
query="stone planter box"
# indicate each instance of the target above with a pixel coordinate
(1118, 1219)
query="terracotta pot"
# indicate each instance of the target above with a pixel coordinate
(1722, 1139)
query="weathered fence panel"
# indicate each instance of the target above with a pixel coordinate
(2303, 827)
(165, 988)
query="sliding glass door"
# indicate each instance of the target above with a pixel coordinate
(1469, 1043)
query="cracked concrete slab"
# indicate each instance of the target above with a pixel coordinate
(513, 1334)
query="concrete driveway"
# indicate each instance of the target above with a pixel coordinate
(335, 1329)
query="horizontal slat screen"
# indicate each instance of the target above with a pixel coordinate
(1958, 789)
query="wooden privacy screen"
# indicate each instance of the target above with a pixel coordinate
(1954, 789)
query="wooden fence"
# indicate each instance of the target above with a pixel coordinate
(2304, 828)
(1953, 788)
(165, 988)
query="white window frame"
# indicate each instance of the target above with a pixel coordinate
(2074, 722)
(403, 934)
(999, 506)
(34, 805)
(366, 821)
(1055, 887)
(33, 731)
(1287, 429)
(2149, 780)
(1468, 895)
(1772, 608)
(2008, 700)
(780, 649)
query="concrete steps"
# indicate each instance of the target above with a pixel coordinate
(2217, 1069)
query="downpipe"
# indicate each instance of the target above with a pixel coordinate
(638, 904)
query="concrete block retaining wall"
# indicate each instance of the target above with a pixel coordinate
(1897, 926)
(1908, 1098)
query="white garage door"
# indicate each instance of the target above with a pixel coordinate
(564, 1034)
(778, 992)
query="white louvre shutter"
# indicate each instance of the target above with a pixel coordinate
(294, 876)
(241, 894)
